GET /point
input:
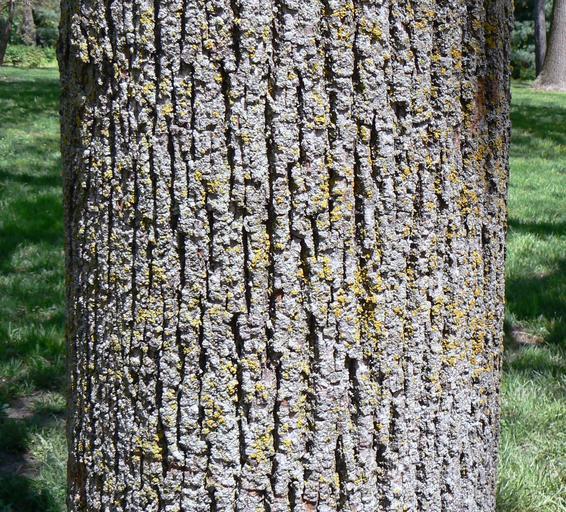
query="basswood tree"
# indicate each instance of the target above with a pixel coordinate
(540, 34)
(285, 248)
(28, 29)
(553, 73)
(6, 28)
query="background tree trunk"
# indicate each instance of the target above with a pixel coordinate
(285, 250)
(553, 74)
(540, 34)
(28, 24)
(7, 29)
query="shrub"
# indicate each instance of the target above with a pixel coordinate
(28, 56)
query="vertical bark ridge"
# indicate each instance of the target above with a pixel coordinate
(285, 227)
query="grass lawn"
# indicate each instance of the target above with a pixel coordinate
(32, 445)
(533, 444)
(32, 366)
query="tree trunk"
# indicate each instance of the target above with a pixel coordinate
(540, 34)
(285, 251)
(553, 74)
(7, 29)
(28, 25)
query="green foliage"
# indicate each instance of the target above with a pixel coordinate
(13, 438)
(523, 50)
(47, 25)
(29, 56)
(46, 19)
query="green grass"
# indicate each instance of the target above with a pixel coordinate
(533, 447)
(32, 447)
(532, 475)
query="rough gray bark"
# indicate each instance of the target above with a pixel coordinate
(285, 250)
(7, 29)
(553, 74)
(28, 25)
(540, 34)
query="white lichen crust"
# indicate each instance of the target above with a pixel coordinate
(285, 249)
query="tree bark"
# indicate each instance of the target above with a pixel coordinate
(28, 25)
(553, 74)
(7, 29)
(540, 34)
(285, 251)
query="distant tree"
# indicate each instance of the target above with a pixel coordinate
(553, 73)
(540, 33)
(6, 29)
(28, 29)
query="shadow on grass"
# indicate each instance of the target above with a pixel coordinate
(19, 490)
(35, 220)
(33, 161)
(31, 268)
(530, 298)
(23, 100)
(508, 501)
(8, 179)
(31, 240)
(534, 126)
(538, 228)
(20, 493)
